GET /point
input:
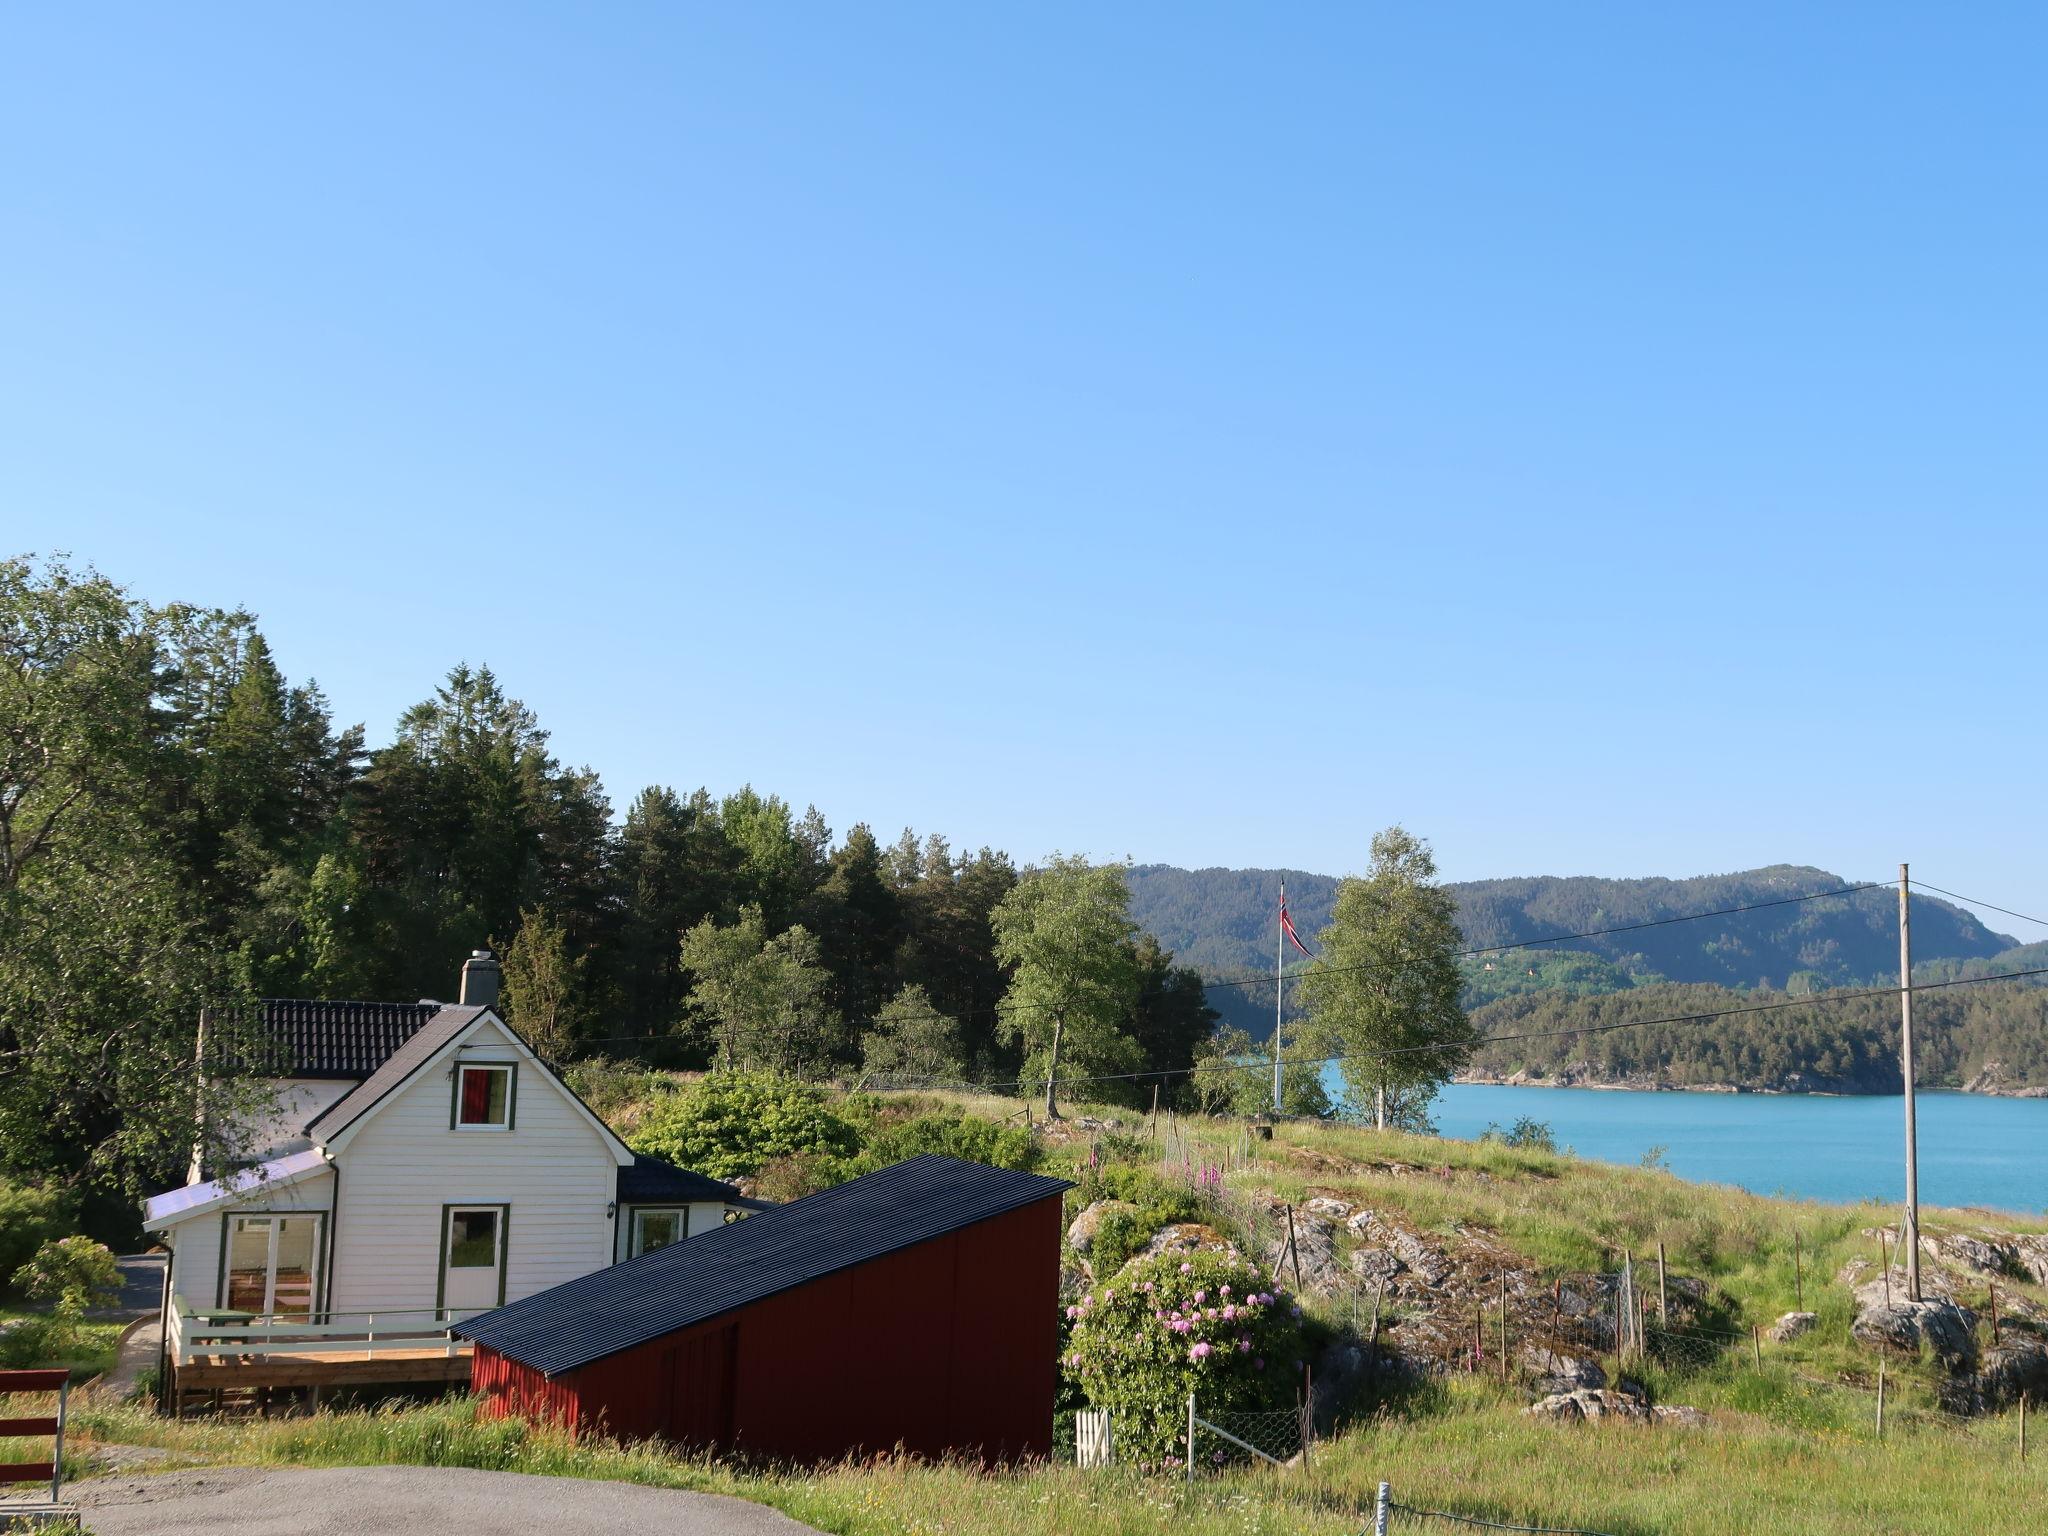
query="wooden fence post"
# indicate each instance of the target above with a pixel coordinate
(1503, 1327)
(1756, 1344)
(2023, 1425)
(1880, 1396)
(1663, 1298)
(1798, 1275)
(1994, 1314)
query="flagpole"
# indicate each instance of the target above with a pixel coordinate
(1279, 988)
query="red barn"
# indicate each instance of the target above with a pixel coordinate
(916, 1306)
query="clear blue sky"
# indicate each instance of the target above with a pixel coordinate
(1606, 440)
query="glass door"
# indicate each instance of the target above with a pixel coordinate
(271, 1265)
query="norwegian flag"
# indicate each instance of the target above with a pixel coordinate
(1287, 927)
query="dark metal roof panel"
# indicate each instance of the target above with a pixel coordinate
(445, 1025)
(649, 1179)
(700, 1278)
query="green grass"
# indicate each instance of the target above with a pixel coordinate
(97, 1344)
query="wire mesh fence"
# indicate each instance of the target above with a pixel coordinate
(1240, 1438)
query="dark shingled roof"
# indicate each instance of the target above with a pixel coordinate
(444, 1026)
(650, 1181)
(300, 1038)
(692, 1281)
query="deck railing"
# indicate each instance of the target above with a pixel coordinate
(383, 1331)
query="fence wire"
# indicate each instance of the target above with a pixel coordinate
(1388, 1509)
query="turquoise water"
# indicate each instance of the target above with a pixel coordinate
(1973, 1150)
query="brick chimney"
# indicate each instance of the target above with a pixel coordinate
(480, 980)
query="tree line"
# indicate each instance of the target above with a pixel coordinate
(183, 827)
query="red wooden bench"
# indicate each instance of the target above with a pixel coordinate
(52, 1470)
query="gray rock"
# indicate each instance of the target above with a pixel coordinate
(1583, 1406)
(1373, 1265)
(1329, 1206)
(1315, 1251)
(2010, 1372)
(1430, 1265)
(1554, 1374)
(1790, 1327)
(1948, 1330)
(1997, 1260)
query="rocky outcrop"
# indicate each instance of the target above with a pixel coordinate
(1677, 1416)
(1946, 1329)
(2006, 1374)
(1790, 1327)
(1313, 1253)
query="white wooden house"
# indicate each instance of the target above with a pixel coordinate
(418, 1163)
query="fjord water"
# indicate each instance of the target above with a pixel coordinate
(1974, 1150)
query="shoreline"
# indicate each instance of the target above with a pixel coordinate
(1651, 1085)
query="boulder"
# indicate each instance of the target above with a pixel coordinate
(1948, 1330)
(1583, 1406)
(1329, 1207)
(1790, 1327)
(2010, 1372)
(2030, 1252)
(1555, 1374)
(1315, 1253)
(1081, 1233)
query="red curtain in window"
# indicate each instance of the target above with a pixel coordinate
(476, 1098)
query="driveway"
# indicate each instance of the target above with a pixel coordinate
(447, 1501)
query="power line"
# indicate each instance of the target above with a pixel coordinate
(1992, 905)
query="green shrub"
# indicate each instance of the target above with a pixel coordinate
(1160, 1203)
(31, 1215)
(951, 1135)
(1180, 1323)
(730, 1123)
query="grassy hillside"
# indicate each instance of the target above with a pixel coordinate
(1789, 1444)
(1221, 921)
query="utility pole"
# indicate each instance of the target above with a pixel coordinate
(1279, 990)
(1910, 1237)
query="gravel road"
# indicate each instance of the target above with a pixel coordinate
(447, 1501)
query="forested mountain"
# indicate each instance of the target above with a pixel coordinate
(1990, 1037)
(1221, 920)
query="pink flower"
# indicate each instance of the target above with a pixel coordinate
(1146, 1287)
(1200, 1297)
(1229, 1314)
(1199, 1352)
(1073, 1314)
(1109, 1295)
(1244, 1346)
(1187, 1269)
(1222, 1290)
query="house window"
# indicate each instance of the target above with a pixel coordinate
(654, 1229)
(473, 1239)
(483, 1098)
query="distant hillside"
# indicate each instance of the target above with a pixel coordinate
(1221, 921)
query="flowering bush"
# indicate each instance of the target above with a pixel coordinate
(1180, 1323)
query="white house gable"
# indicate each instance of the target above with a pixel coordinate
(508, 1171)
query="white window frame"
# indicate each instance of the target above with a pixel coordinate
(634, 1239)
(511, 1074)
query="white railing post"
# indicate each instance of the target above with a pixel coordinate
(1382, 1507)
(1191, 1437)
